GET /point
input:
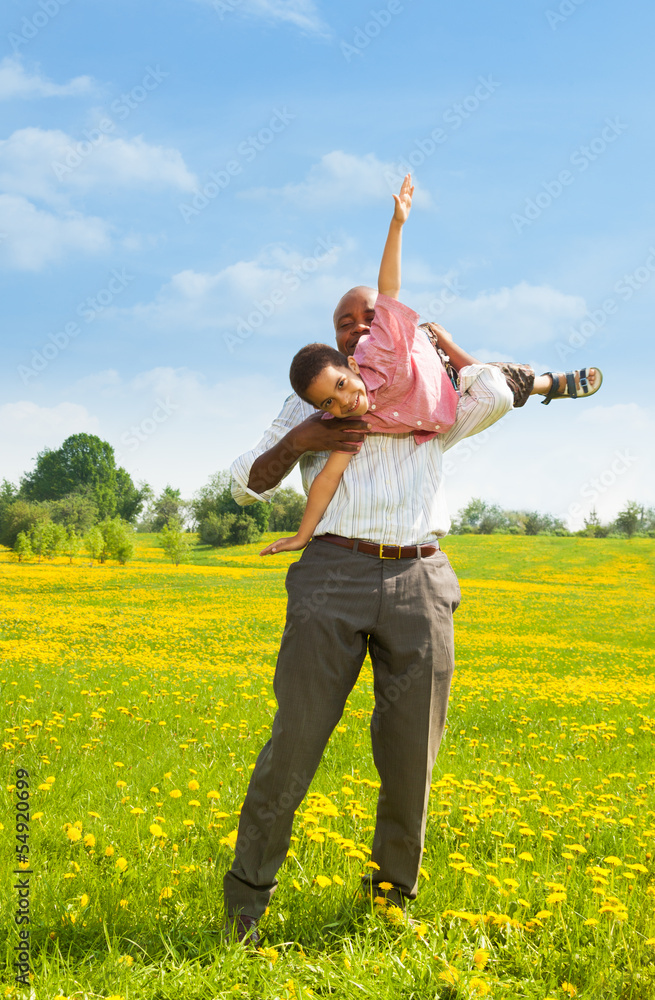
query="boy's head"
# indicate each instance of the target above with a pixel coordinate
(329, 381)
(353, 317)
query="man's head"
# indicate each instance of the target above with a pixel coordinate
(329, 381)
(353, 317)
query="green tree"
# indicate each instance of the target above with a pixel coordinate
(77, 511)
(21, 515)
(175, 541)
(22, 547)
(481, 518)
(230, 524)
(118, 540)
(287, 509)
(628, 520)
(72, 544)
(83, 464)
(168, 507)
(94, 543)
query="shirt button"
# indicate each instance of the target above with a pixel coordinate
(372, 406)
(419, 422)
(395, 413)
(437, 426)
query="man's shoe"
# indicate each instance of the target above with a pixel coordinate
(242, 929)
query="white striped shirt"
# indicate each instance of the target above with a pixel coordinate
(392, 491)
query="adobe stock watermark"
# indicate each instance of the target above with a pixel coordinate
(598, 486)
(225, 7)
(248, 150)
(364, 35)
(134, 437)
(451, 120)
(289, 282)
(88, 309)
(76, 153)
(581, 158)
(595, 319)
(450, 292)
(33, 24)
(564, 11)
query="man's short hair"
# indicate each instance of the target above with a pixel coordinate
(308, 364)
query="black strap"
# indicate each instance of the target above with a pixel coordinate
(570, 384)
(554, 388)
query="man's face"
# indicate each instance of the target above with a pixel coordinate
(353, 317)
(339, 391)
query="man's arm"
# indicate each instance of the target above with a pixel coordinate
(486, 398)
(257, 474)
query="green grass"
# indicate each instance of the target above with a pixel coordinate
(156, 676)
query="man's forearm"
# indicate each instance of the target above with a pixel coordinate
(459, 358)
(273, 465)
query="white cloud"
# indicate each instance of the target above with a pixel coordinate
(32, 237)
(284, 292)
(495, 323)
(27, 428)
(16, 82)
(567, 458)
(50, 165)
(302, 14)
(343, 179)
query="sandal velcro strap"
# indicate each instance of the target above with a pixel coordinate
(570, 390)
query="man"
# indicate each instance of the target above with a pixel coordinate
(375, 579)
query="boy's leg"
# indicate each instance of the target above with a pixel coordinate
(413, 660)
(332, 606)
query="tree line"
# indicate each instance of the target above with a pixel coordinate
(77, 499)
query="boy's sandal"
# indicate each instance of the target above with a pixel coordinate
(570, 390)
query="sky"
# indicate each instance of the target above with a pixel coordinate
(187, 187)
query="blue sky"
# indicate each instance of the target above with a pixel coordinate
(188, 186)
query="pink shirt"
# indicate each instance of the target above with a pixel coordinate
(406, 384)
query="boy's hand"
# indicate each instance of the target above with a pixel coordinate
(403, 200)
(284, 545)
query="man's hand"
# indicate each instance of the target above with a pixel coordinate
(316, 434)
(403, 200)
(285, 545)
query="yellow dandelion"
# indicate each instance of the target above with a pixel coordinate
(543, 914)
(591, 922)
(193, 785)
(84, 900)
(323, 881)
(480, 958)
(213, 795)
(194, 803)
(175, 794)
(385, 886)
(109, 851)
(526, 856)
(121, 864)
(118, 763)
(614, 862)
(73, 834)
(356, 854)
(337, 880)
(89, 840)
(478, 987)
(569, 988)
(188, 822)
(121, 784)
(165, 893)
(137, 811)
(155, 790)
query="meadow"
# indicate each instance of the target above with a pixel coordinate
(136, 698)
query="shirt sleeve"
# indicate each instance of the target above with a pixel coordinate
(292, 413)
(485, 398)
(390, 341)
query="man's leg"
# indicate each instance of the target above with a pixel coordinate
(333, 604)
(413, 661)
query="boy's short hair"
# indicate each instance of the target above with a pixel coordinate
(308, 364)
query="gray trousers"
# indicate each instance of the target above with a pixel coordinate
(341, 603)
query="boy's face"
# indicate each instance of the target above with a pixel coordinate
(339, 391)
(353, 317)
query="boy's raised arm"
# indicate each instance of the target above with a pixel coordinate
(389, 276)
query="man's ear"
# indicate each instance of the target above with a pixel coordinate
(352, 364)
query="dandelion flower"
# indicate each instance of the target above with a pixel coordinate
(73, 834)
(175, 794)
(121, 864)
(323, 881)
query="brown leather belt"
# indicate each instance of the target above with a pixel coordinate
(382, 551)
